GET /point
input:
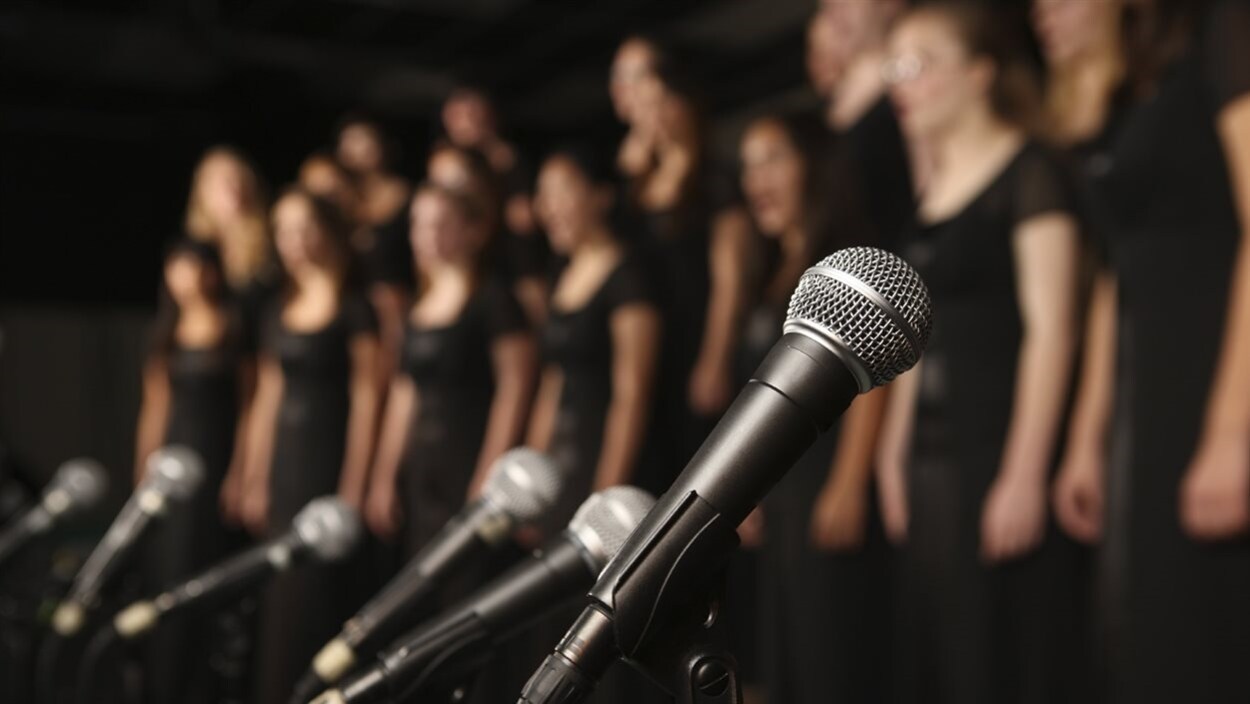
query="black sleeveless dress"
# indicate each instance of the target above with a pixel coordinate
(204, 388)
(975, 633)
(1178, 616)
(452, 369)
(305, 607)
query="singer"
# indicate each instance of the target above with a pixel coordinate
(311, 428)
(196, 385)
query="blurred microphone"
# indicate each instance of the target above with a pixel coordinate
(172, 473)
(522, 486)
(326, 530)
(458, 642)
(857, 319)
(77, 486)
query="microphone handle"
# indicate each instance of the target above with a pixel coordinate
(34, 521)
(456, 644)
(384, 616)
(234, 574)
(118, 542)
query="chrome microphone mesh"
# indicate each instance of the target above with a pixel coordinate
(605, 520)
(175, 472)
(868, 306)
(329, 527)
(523, 483)
(82, 483)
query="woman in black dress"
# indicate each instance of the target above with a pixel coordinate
(823, 617)
(1164, 434)
(692, 240)
(380, 240)
(228, 208)
(600, 343)
(196, 381)
(312, 425)
(467, 374)
(987, 585)
(471, 124)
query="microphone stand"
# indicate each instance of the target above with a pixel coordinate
(690, 657)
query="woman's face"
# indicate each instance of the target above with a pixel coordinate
(1070, 29)
(360, 148)
(567, 203)
(224, 189)
(633, 63)
(299, 238)
(447, 168)
(186, 278)
(933, 80)
(773, 172)
(467, 119)
(439, 231)
(825, 55)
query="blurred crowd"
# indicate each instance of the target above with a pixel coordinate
(1052, 507)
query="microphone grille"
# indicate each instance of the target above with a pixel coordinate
(329, 527)
(524, 483)
(175, 471)
(605, 520)
(83, 480)
(870, 307)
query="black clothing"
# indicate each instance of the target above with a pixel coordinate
(1177, 612)
(304, 608)
(880, 171)
(452, 368)
(976, 633)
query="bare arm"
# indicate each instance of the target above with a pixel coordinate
(1014, 515)
(839, 516)
(153, 414)
(381, 509)
(232, 483)
(1215, 497)
(514, 357)
(892, 449)
(710, 380)
(262, 422)
(361, 420)
(390, 302)
(635, 346)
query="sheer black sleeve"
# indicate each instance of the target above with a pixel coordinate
(504, 315)
(358, 316)
(1042, 186)
(629, 284)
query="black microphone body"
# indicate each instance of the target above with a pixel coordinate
(460, 641)
(33, 522)
(460, 542)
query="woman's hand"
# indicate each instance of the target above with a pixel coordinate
(1215, 491)
(1078, 493)
(254, 510)
(892, 495)
(1013, 520)
(710, 389)
(839, 517)
(751, 530)
(382, 512)
(230, 499)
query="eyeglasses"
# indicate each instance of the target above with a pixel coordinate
(904, 68)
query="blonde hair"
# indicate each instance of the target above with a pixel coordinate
(245, 246)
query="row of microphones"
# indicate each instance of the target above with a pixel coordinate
(521, 486)
(172, 475)
(857, 320)
(454, 645)
(326, 531)
(76, 487)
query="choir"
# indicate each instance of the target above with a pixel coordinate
(1053, 507)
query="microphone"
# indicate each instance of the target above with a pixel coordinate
(523, 484)
(460, 641)
(77, 486)
(326, 530)
(172, 473)
(858, 318)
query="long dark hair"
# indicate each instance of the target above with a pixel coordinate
(1156, 33)
(163, 334)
